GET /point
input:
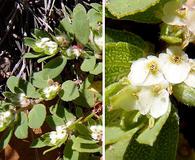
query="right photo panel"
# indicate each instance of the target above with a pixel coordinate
(150, 79)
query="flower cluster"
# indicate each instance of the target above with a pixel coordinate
(5, 119)
(60, 134)
(47, 46)
(74, 51)
(51, 91)
(96, 132)
(154, 77)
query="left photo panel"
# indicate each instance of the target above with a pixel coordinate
(51, 80)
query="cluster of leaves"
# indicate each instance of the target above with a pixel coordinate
(66, 91)
(129, 134)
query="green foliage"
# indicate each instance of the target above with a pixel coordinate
(120, 8)
(37, 116)
(18, 85)
(165, 146)
(21, 131)
(80, 24)
(85, 145)
(69, 91)
(53, 68)
(113, 35)
(6, 137)
(119, 57)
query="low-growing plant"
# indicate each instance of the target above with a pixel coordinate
(65, 94)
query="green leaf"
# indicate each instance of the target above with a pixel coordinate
(53, 68)
(124, 8)
(30, 42)
(80, 24)
(85, 146)
(98, 69)
(83, 130)
(37, 116)
(5, 138)
(69, 154)
(33, 55)
(54, 121)
(117, 141)
(113, 35)
(151, 15)
(95, 18)
(66, 24)
(42, 141)
(42, 59)
(87, 98)
(124, 99)
(115, 134)
(41, 33)
(16, 84)
(149, 135)
(69, 91)
(119, 57)
(21, 131)
(184, 94)
(165, 146)
(61, 111)
(114, 89)
(88, 64)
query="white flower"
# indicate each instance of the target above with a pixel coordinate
(69, 123)
(174, 13)
(5, 119)
(190, 80)
(53, 137)
(96, 132)
(41, 43)
(99, 41)
(7, 114)
(48, 46)
(51, 47)
(175, 65)
(153, 101)
(59, 134)
(146, 72)
(51, 91)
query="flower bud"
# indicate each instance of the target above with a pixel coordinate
(62, 41)
(184, 94)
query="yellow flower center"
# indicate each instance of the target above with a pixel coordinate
(182, 12)
(176, 59)
(153, 66)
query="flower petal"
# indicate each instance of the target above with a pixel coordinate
(154, 79)
(176, 73)
(190, 81)
(139, 72)
(160, 104)
(145, 100)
